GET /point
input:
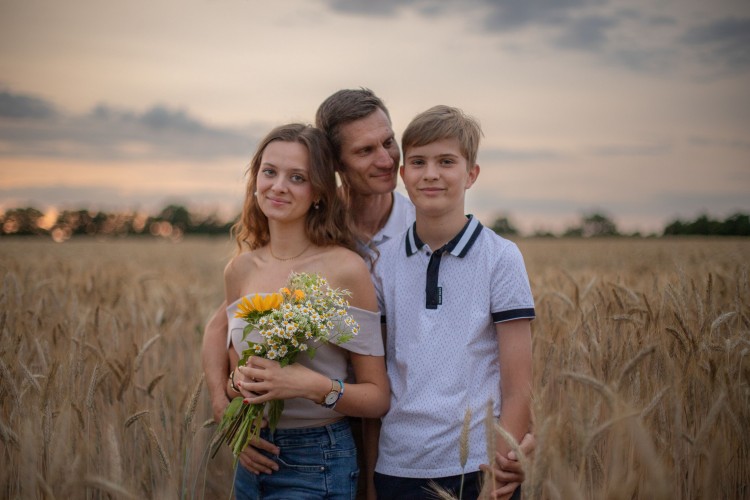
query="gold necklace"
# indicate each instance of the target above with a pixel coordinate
(270, 249)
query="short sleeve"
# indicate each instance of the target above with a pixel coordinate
(369, 340)
(511, 292)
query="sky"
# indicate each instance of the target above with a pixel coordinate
(639, 110)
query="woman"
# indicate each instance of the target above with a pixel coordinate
(293, 221)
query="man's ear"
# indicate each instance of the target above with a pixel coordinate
(473, 174)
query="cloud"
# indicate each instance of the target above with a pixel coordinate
(652, 149)
(515, 14)
(701, 141)
(368, 7)
(587, 33)
(15, 106)
(497, 15)
(724, 42)
(638, 37)
(497, 155)
(160, 132)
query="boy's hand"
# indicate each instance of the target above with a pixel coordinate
(508, 471)
(498, 491)
(508, 468)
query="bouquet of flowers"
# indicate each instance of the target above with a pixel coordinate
(303, 314)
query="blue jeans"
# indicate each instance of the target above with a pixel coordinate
(314, 463)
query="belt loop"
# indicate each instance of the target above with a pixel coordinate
(331, 435)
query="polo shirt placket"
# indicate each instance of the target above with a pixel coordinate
(459, 246)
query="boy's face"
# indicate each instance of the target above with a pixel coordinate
(436, 177)
(369, 154)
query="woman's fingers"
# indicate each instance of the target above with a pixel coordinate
(527, 445)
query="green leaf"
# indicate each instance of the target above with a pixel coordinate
(275, 408)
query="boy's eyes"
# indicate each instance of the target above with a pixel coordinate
(442, 161)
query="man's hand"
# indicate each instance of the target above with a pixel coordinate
(219, 403)
(255, 461)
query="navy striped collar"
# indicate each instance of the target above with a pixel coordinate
(458, 246)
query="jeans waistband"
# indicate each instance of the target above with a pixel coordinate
(324, 433)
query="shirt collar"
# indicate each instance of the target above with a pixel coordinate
(458, 246)
(398, 219)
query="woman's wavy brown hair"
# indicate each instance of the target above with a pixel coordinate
(329, 224)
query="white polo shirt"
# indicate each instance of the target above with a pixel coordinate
(441, 344)
(401, 216)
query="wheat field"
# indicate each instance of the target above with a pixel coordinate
(641, 370)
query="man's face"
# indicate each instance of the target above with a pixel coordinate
(369, 154)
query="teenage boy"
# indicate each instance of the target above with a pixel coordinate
(457, 307)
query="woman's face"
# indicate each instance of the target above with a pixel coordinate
(285, 193)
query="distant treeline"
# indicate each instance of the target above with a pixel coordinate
(734, 225)
(175, 221)
(172, 222)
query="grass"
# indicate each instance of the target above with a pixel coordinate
(641, 377)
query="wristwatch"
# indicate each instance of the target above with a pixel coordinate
(330, 399)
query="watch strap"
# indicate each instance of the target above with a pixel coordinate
(340, 393)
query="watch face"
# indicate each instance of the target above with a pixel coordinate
(332, 397)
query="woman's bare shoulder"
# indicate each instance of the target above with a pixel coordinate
(346, 263)
(347, 270)
(241, 264)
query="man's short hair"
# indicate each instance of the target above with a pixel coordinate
(444, 122)
(343, 107)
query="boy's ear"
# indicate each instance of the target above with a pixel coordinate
(401, 172)
(473, 174)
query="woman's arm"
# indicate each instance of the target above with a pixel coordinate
(368, 397)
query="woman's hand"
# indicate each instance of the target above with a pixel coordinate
(264, 380)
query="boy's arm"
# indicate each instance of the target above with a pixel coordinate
(215, 360)
(514, 343)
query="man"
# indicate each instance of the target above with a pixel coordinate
(359, 127)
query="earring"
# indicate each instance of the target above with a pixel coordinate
(255, 194)
(316, 205)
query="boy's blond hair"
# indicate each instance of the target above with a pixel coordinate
(444, 122)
